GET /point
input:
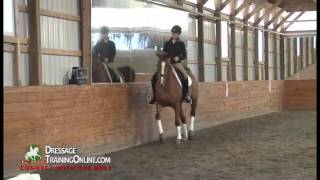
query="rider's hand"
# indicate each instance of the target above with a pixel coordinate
(106, 60)
(176, 59)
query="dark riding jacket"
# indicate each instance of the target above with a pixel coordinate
(105, 50)
(175, 49)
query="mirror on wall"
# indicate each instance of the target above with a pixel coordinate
(125, 35)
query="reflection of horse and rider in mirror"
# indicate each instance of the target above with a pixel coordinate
(103, 67)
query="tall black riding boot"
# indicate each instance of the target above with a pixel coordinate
(186, 95)
(153, 81)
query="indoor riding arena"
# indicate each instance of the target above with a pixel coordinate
(159, 89)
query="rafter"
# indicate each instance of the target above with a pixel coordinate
(255, 9)
(294, 20)
(201, 2)
(282, 22)
(267, 12)
(275, 17)
(224, 4)
(242, 6)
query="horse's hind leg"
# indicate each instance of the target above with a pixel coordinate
(192, 114)
(184, 125)
(158, 119)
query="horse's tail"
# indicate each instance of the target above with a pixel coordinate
(128, 73)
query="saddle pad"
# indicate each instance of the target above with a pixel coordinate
(176, 75)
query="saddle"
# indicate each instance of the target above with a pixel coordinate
(184, 83)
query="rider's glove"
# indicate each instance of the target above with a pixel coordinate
(106, 60)
(176, 59)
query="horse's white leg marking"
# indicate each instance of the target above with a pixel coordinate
(192, 123)
(178, 132)
(185, 130)
(163, 64)
(159, 126)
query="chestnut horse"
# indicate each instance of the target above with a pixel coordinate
(168, 92)
(100, 75)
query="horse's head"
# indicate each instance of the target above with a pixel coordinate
(163, 64)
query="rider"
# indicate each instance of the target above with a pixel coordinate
(176, 50)
(106, 49)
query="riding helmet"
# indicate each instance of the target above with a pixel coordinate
(104, 29)
(176, 29)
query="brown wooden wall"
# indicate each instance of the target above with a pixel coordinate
(102, 118)
(300, 94)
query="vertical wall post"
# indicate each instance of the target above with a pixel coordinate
(282, 60)
(35, 42)
(300, 60)
(307, 51)
(233, 41)
(218, 41)
(312, 50)
(200, 44)
(86, 37)
(16, 62)
(245, 44)
(256, 54)
(275, 56)
(266, 55)
(289, 55)
(295, 56)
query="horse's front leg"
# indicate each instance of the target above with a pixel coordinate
(159, 123)
(177, 122)
(184, 125)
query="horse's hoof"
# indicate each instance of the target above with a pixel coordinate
(178, 141)
(184, 139)
(161, 138)
(190, 135)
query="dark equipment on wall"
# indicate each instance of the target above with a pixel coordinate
(78, 76)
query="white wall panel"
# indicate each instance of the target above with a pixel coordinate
(209, 31)
(251, 41)
(192, 27)
(239, 73)
(64, 6)
(194, 69)
(224, 71)
(270, 43)
(239, 56)
(7, 69)
(56, 70)
(250, 73)
(239, 38)
(271, 74)
(23, 29)
(210, 73)
(59, 33)
(24, 69)
(192, 53)
(250, 58)
(209, 53)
